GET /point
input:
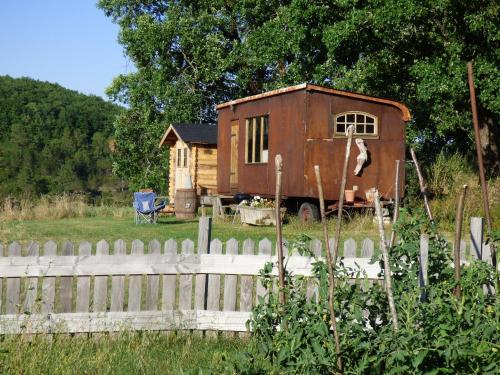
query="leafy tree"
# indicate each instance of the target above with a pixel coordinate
(192, 55)
(53, 139)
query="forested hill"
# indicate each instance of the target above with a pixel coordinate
(53, 140)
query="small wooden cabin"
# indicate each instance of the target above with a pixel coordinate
(307, 125)
(193, 157)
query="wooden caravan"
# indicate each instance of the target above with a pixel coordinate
(307, 125)
(193, 158)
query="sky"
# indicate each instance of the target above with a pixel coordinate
(69, 42)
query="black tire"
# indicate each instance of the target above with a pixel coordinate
(308, 212)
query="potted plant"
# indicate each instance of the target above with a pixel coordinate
(259, 211)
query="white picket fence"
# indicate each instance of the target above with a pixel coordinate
(159, 288)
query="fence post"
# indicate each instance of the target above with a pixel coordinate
(66, 283)
(424, 265)
(49, 283)
(135, 281)
(13, 283)
(153, 285)
(246, 282)
(31, 282)
(83, 282)
(230, 281)
(1, 286)
(201, 284)
(476, 237)
(186, 280)
(169, 281)
(204, 235)
(118, 282)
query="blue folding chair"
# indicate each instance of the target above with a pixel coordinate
(145, 209)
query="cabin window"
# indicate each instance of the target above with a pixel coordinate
(182, 157)
(364, 124)
(257, 139)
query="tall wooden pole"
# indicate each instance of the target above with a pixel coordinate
(484, 186)
(330, 265)
(423, 187)
(458, 235)
(350, 131)
(279, 238)
(396, 205)
(387, 267)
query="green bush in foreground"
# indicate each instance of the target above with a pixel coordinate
(438, 334)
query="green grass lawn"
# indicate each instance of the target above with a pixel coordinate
(123, 227)
(124, 353)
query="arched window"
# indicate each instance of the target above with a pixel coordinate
(364, 124)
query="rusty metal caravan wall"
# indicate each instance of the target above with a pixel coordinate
(301, 124)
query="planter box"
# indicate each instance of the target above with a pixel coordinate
(259, 216)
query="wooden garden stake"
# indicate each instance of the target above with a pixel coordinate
(331, 276)
(350, 131)
(458, 235)
(279, 239)
(423, 277)
(423, 187)
(387, 268)
(396, 205)
(484, 186)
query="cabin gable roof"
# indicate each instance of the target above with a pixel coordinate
(190, 133)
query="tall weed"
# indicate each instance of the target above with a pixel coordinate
(445, 178)
(447, 173)
(55, 207)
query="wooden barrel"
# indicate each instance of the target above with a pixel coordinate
(185, 203)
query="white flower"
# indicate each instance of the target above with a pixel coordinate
(257, 198)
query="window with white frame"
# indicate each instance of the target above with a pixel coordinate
(365, 124)
(179, 157)
(257, 139)
(182, 157)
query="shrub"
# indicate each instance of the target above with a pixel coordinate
(438, 333)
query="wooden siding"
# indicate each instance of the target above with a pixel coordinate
(171, 173)
(202, 167)
(206, 169)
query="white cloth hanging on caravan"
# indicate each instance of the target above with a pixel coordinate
(362, 157)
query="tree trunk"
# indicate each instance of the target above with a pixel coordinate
(489, 132)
